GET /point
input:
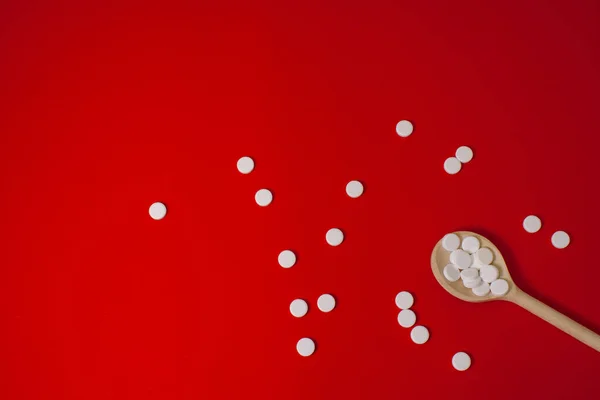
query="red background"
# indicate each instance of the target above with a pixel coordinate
(105, 109)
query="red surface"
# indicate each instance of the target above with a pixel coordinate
(106, 109)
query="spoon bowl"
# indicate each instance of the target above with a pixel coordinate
(440, 257)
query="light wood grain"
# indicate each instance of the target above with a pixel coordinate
(440, 258)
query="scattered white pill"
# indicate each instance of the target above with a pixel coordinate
(475, 263)
(560, 239)
(404, 300)
(419, 334)
(286, 259)
(298, 308)
(482, 289)
(451, 273)
(245, 165)
(470, 244)
(263, 197)
(463, 260)
(473, 283)
(305, 347)
(407, 318)
(451, 242)
(334, 237)
(484, 256)
(452, 165)
(488, 273)
(461, 361)
(354, 189)
(326, 302)
(404, 128)
(532, 224)
(469, 274)
(499, 287)
(158, 211)
(453, 256)
(464, 154)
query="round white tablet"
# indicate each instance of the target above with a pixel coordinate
(326, 302)
(499, 287)
(157, 211)
(532, 224)
(305, 347)
(469, 274)
(560, 239)
(263, 197)
(404, 128)
(470, 244)
(451, 273)
(461, 361)
(475, 264)
(419, 334)
(464, 154)
(407, 318)
(334, 237)
(463, 259)
(404, 300)
(286, 259)
(452, 165)
(482, 289)
(245, 165)
(354, 189)
(298, 308)
(472, 283)
(488, 273)
(484, 256)
(453, 256)
(451, 242)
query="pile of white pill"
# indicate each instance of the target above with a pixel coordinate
(407, 318)
(472, 264)
(463, 155)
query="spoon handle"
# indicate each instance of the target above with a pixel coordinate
(557, 319)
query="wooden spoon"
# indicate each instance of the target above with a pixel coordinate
(440, 258)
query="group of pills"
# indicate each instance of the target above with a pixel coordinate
(559, 239)
(420, 334)
(452, 165)
(472, 264)
(287, 258)
(463, 155)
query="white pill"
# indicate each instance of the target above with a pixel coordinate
(245, 165)
(298, 308)
(451, 273)
(473, 283)
(463, 260)
(451, 242)
(484, 256)
(419, 334)
(482, 289)
(469, 274)
(407, 318)
(464, 154)
(305, 347)
(475, 263)
(404, 128)
(354, 189)
(532, 224)
(326, 302)
(452, 165)
(334, 237)
(263, 197)
(499, 287)
(470, 244)
(286, 259)
(404, 300)
(488, 273)
(560, 239)
(158, 211)
(461, 361)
